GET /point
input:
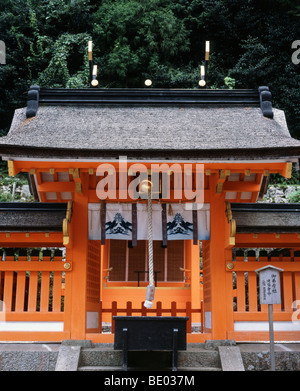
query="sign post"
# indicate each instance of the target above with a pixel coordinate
(269, 288)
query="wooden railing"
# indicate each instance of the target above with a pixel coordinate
(246, 296)
(33, 287)
(114, 310)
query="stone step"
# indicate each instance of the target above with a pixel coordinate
(100, 357)
(107, 357)
(112, 368)
(98, 368)
(199, 369)
(199, 358)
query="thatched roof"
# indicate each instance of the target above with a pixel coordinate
(33, 216)
(175, 129)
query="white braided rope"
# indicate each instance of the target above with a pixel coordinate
(150, 241)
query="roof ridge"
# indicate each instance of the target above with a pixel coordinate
(260, 98)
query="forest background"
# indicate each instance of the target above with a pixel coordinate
(164, 40)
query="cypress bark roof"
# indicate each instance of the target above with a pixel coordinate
(33, 216)
(207, 128)
(264, 217)
(258, 218)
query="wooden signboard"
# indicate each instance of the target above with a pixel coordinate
(269, 288)
(269, 285)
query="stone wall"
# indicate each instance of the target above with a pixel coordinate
(279, 193)
(15, 192)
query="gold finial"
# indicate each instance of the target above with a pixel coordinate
(202, 81)
(94, 81)
(207, 50)
(90, 50)
(203, 68)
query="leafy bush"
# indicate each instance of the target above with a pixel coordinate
(294, 197)
(276, 179)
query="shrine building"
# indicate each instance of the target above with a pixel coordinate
(86, 249)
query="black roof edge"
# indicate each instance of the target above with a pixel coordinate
(265, 207)
(16, 151)
(52, 207)
(36, 95)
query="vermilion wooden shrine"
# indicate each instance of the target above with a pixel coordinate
(88, 256)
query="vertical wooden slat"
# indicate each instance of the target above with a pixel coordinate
(202, 316)
(297, 277)
(240, 282)
(8, 290)
(33, 282)
(240, 285)
(263, 257)
(159, 308)
(32, 296)
(143, 309)
(114, 311)
(57, 283)
(56, 306)
(189, 314)
(45, 286)
(287, 284)
(100, 316)
(252, 285)
(20, 293)
(8, 282)
(128, 308)
(173, 308)
(252, 291)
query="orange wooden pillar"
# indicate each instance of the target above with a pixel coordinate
(218, 225)
(194, 255)
(104, 272)
(79, 247)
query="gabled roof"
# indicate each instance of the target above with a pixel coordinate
(250, 217)
(143, 124)
(266, 217)
(32, 216)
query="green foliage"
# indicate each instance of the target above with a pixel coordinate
(294, 197)
(278, 179)
(229, 82)
(6, 197)
(67, 49)
(253, 64)
(3, 170)
(133, 37)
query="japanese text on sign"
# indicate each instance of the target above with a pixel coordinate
(269, 287)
